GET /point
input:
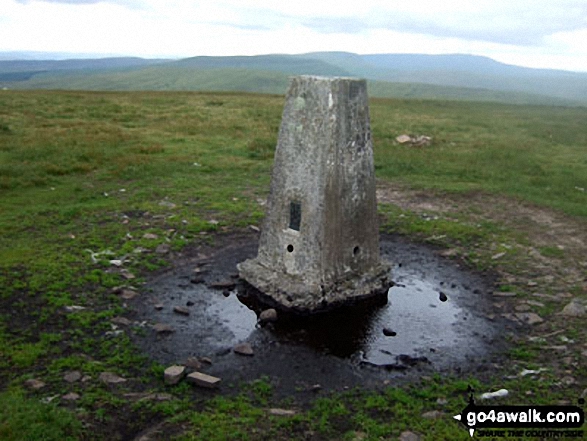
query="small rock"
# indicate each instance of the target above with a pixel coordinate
(282, 412)
(72, 396)
(254, 228)
(173, 374)
(203, 380)
(159, 306)
(193, 363)
(189, 303)
(442, 297)
(530, 318)
(197, 280)
(498, 256)
(110, 378)
(531, 283)
(574, 309)
(269, 315)
(206, 360)
(316, 388)
(535, 303)
(127, 274)
(243, 349)
(223, 284)
(123, 321)
(72, 377)
(128, 294)
(150, 236)
(389, 333)
(531, 372)
(442, 401)
(449, 253)
(74, 308)
(568, 380)
(497, 394)
(163, 328)
(167, 204)
(433, 415)
(522, 307)
(34, 384)
(163, 248)
(181, 310)
(409, 436)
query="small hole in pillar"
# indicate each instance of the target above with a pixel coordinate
(356, 251)
(290, 248)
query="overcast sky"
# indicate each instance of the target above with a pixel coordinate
(535, 33)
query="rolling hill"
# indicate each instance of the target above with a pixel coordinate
(462, 77)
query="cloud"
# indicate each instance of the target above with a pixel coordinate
(497, 21)
(135, 4)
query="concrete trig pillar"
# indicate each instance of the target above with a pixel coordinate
(319, 244)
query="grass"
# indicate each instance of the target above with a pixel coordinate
(87, 174)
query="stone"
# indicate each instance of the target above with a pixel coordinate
(410, 436)
(255, 228)
(498, 256)
(123, 321)
(72, 396)
(269, 315)
(159, 306)
(34, 384)
(433, 415)
(282, 412)
(497, 394)
(574, 309)
(504, 294)
(173, 374)
(182, 310)
(223, 284)
(316, 388)
(150, 236)
(128, 294)
(319, 242)
(206, 360)
(203, 380)
(163, 248)
(522, 307)
(163, 328)
(531, 318)
(127, 274)
(441, 401)
(193, 363)
(389, 333)
(72, 377)
(243, 349)
(111, 378)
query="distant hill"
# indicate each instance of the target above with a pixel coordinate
(462, 77)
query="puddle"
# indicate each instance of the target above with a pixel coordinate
(434, 320)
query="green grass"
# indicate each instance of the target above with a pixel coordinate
(89, 172)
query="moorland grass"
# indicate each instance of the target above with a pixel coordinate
(89, 172)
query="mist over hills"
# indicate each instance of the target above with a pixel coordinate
(456, 76)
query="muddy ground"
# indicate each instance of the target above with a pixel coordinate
(438, 318)
(465, 334)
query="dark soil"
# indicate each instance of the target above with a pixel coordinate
(439, 318)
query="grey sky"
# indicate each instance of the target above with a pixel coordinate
(536, 33)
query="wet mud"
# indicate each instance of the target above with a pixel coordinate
(435, 320)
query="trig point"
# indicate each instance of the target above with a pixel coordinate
(319, 244)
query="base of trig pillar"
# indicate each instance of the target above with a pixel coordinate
(295, 295)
